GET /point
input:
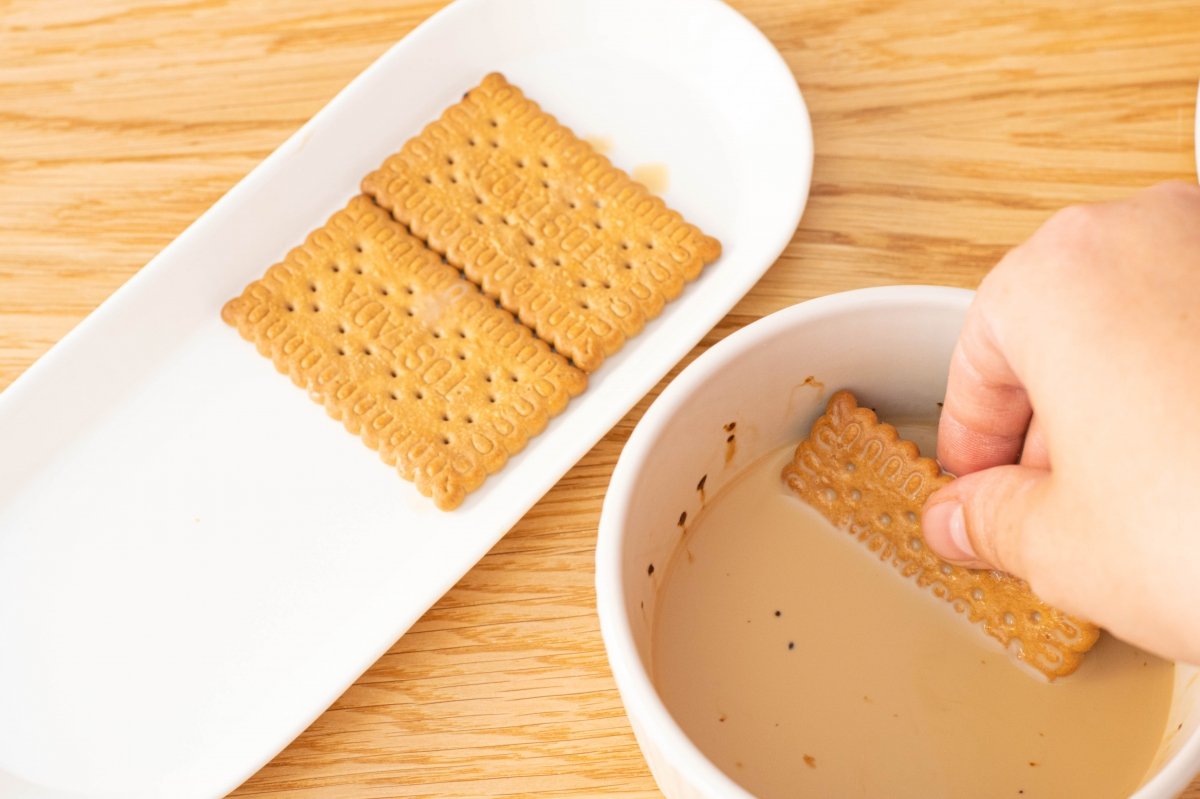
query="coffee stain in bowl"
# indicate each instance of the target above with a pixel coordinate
(683, 531)
(800, 390)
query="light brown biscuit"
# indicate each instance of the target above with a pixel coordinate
(863, 477)
(567, 242)
(405, 352)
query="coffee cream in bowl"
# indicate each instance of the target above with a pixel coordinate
(760, 650)
(883, 685)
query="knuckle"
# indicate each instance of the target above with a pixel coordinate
(1071, 225)
(1050, 256)
(1184, 194)
(1176, 187)
(1071, 242)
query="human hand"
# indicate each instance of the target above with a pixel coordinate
(1072, 418)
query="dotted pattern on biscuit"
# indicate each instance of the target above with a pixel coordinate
(405, 352)
(534, 215)
(864, 478)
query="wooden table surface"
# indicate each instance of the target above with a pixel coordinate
(946, 131)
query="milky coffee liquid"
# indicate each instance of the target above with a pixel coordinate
(803, 666)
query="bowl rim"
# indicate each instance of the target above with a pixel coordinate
(633, 682)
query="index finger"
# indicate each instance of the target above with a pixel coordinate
(986, 411)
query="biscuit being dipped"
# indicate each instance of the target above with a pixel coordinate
(865, 479)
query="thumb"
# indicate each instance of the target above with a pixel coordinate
(990, 518)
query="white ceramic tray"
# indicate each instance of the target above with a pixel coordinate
(194, 559)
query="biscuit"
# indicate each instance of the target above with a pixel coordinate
(405, 352)
(863, 477)
(535, 216)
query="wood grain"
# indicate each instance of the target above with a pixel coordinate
(946, 132)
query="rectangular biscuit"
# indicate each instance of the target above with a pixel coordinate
(863, 477)
(535, 216)
(405, 352)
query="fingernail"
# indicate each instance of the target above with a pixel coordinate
(946, 532)
(958, 533)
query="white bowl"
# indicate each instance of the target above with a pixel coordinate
(891, 346)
